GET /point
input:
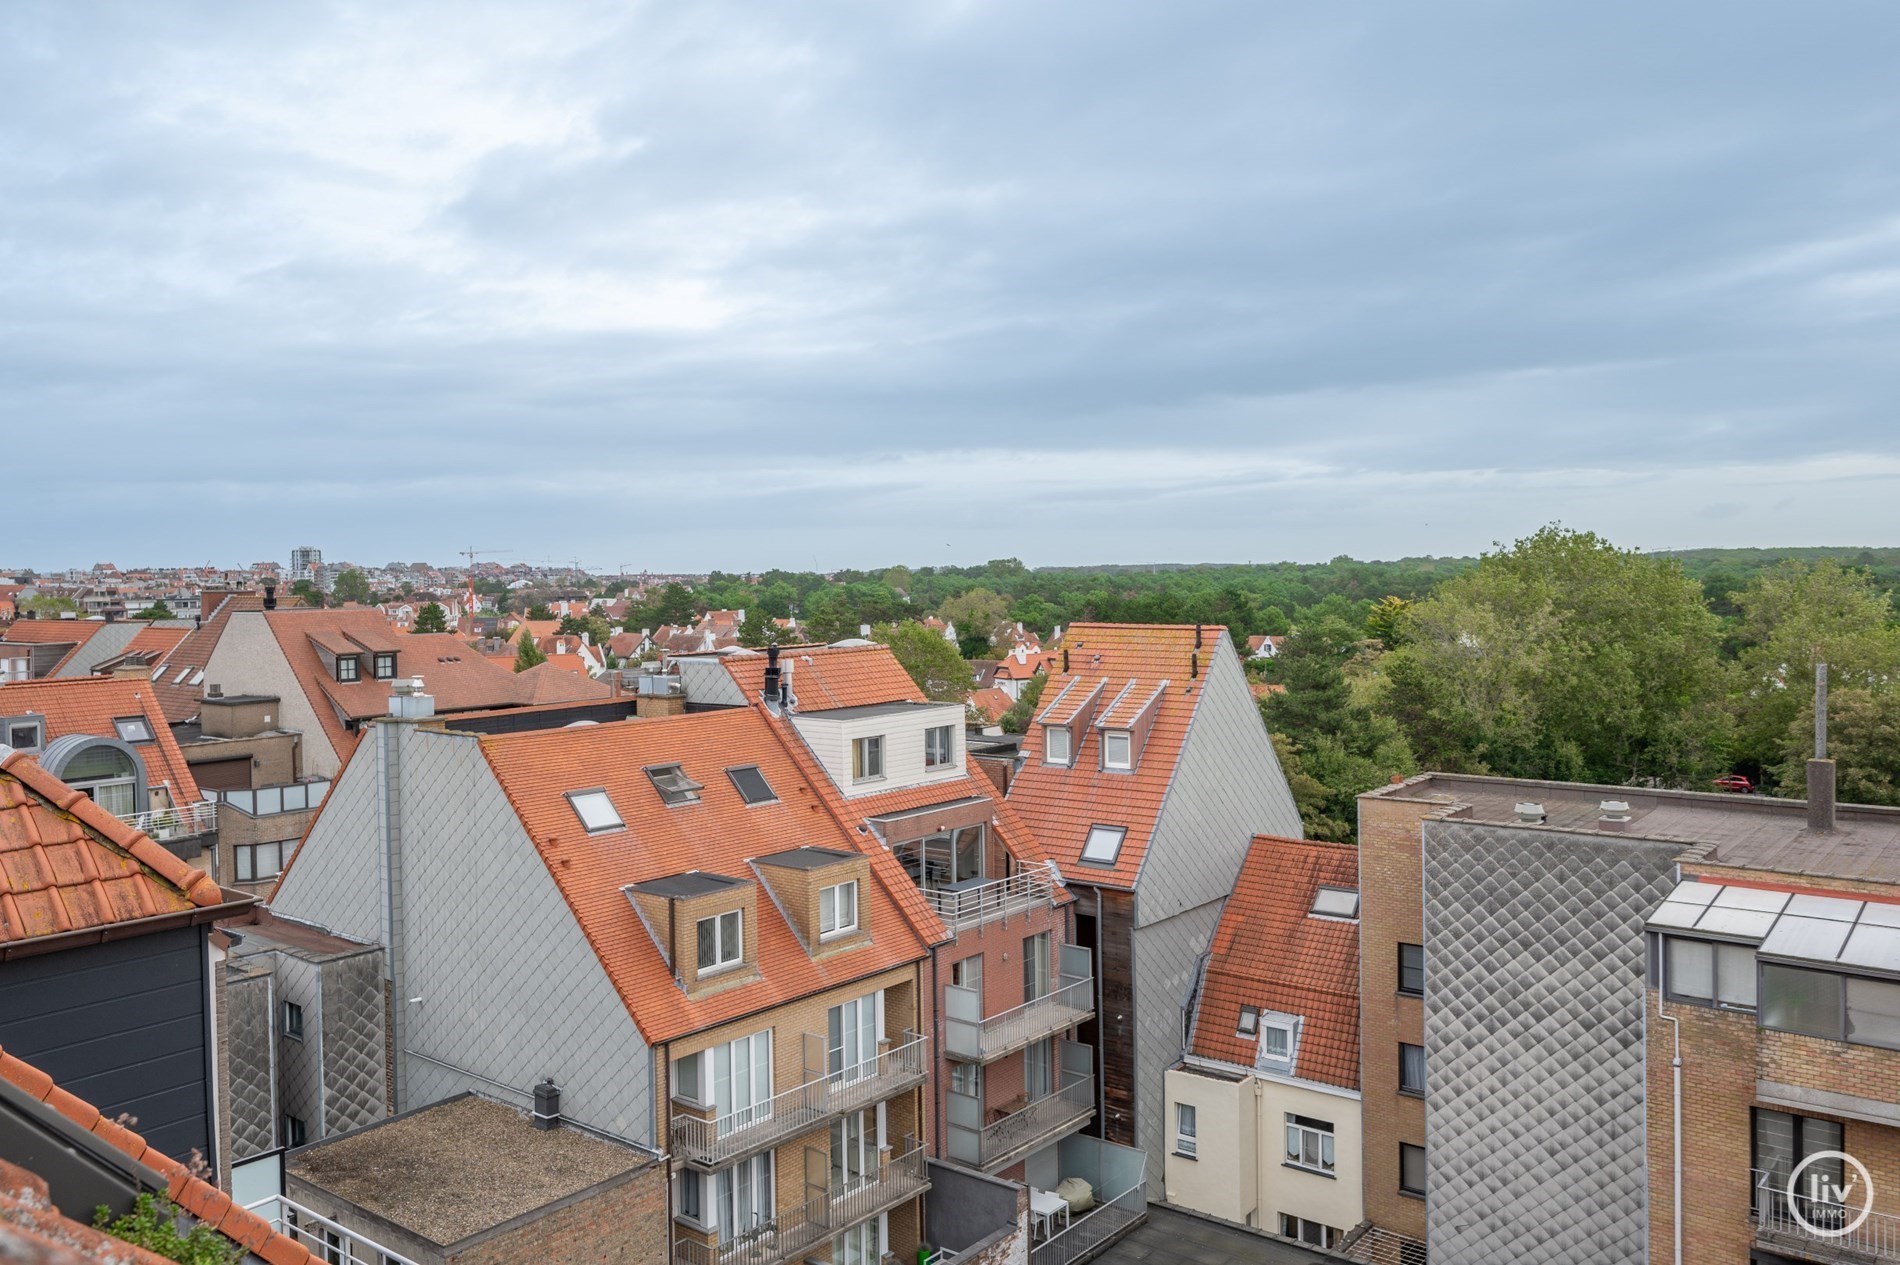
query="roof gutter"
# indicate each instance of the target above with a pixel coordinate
(196, 916)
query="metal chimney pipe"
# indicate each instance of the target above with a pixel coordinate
(1820, 768)
(1820, 711)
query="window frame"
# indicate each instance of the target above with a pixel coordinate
(1186, 1137)
(1295, 1156)
(1839, 1032)
(1719, 974)
(1114, 852)
(1325, 890)
(574, 799)
(1248, 1025)
(292, 1021)
(720, 962)
(296, 1132)
(244, 860)
(1412, 1091)
(839, 927)
(1126, 738)
(866, 752)
(942, 739)
(684, 790)
(1067, 758)
(18, 725)
(376, 665)
(1292, 1033)
(1405, 1147)
(1403, 990)
(136, 725)
(355, 669)
(732, 775)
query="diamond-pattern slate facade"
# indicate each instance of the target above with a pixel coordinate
(1534, 1042)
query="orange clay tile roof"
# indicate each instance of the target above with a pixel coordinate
(203, 1201)
(156, 639)
(828, 677)
(1008, 668)
(172, 679)
(457, 678)
(66, 864)
(1062, 803)
(89, 705)
(53, 631)
(1270, 953)
(562, 679)
(718, 835)
(991, 703)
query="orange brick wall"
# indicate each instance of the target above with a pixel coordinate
(621, 1225)
(1391, 912)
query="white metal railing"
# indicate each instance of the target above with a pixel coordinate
(268, 801)
(327, 1240)
(798, 1231)
(1050, 1116)
(961, 907)
(183, 822)
(1082, 1234)
(987, 1039)
(1877, 1237)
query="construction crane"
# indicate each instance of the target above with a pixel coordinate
(471, 553)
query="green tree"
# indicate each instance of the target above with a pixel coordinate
(940, 672)
(898, 579)
(540, 613)
(527, 653)
(976, 613)
(757, 630)
(351, 586)
(310, 594)
(673, 604)
(1563, 657)
(432, 619)
(47, 606)
(1342, 746)
(1023, 710)
(1387, 621)
(153, 1225)
(157, 610)
(1863, 738)
(1791, 618)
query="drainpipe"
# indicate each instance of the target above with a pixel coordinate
(1675, 1122)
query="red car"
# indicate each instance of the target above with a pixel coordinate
(1735, 782)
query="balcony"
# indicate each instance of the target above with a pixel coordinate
(1825, 1237)
(1026, 1129)
(715, 1141)
(804, 1230)
(972, 1037)
(975, 903)
(176, 825)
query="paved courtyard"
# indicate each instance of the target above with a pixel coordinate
(1173, 1238)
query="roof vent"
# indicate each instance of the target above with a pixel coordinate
(214, 691)
(270, 596)
(408, 702)
(547, 1105)
(1615, 815)
(1530, 814)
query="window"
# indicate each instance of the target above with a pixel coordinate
(838, 909)
(968, 973)
(294, 1132)
(686, 1080)
(674, 786)
(385, 665)
(293, 1020)
(107, 774)
(1412, 970)
(1335, 902)
(24, 735)
(1117, 749)
(1104, 844)
(692, 1196)
(1039, 1069)
(133, 729)
(853, 1150)
(1794, 1000)
(967, 1078)
(742, 1197)
(1055, 744)
(1309, 1143)
(1036, 981)
(1781, 1141)
(1411, 1069)
(940, 746)
(942, 859)
(1184, 1138)
(751, 785)
(596, 810)
(1249, 1022)
(852, 1031)
(1873, 1013)
(1709, 974)
(860, 1245)
(721, 943)
(1276, 1041)
(259, 861)
(742, 1081)
(347, 668)
(867, 758)
(1411, 1168)
(1316, 1233)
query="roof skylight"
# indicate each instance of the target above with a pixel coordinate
(674, 786)
(1336, 902)
(751, 784)
(1104, 844)
(133, 728)
(596, 810)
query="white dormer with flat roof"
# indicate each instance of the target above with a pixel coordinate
(885, 746)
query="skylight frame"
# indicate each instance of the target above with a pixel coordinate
(1102, 838)
(1344, 902)
(674, 787)
(135, 729)
(732, 775)
(595, 798)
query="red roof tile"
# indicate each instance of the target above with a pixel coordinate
(992, 703)
(53, 631)
(562, 679)
(1062, 803)
(175, 679)
(196, 1196)
(67, 865)
(89, 705)
(1270, 953)
(827, 677)
(719, 835)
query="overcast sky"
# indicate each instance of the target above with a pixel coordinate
(694, 285)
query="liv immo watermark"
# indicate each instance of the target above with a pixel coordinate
(1826, 1208)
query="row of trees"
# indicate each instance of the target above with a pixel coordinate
(1564, 657)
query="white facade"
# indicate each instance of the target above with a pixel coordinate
(903, 729)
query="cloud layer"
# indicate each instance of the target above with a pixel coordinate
(741, 285)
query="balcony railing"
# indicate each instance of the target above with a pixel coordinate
(717, 1140)
(267, 801)
(802, 1230)
(323, 1238)
(165, 825)
(1028, 1128)
(984, 1040)
(1876, 1238)
(970, 905)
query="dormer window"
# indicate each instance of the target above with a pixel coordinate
(1336, 902)
(674, 786)
(940, 746)
(26, 735)
(1117, 749)
(867, 758)
(1279, 1044)
(385, 665)
(596, 810)
(1276, 1042)
(347, 668)
(133, 728)
(1055, 744)
(721, 941)
(838, 909)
